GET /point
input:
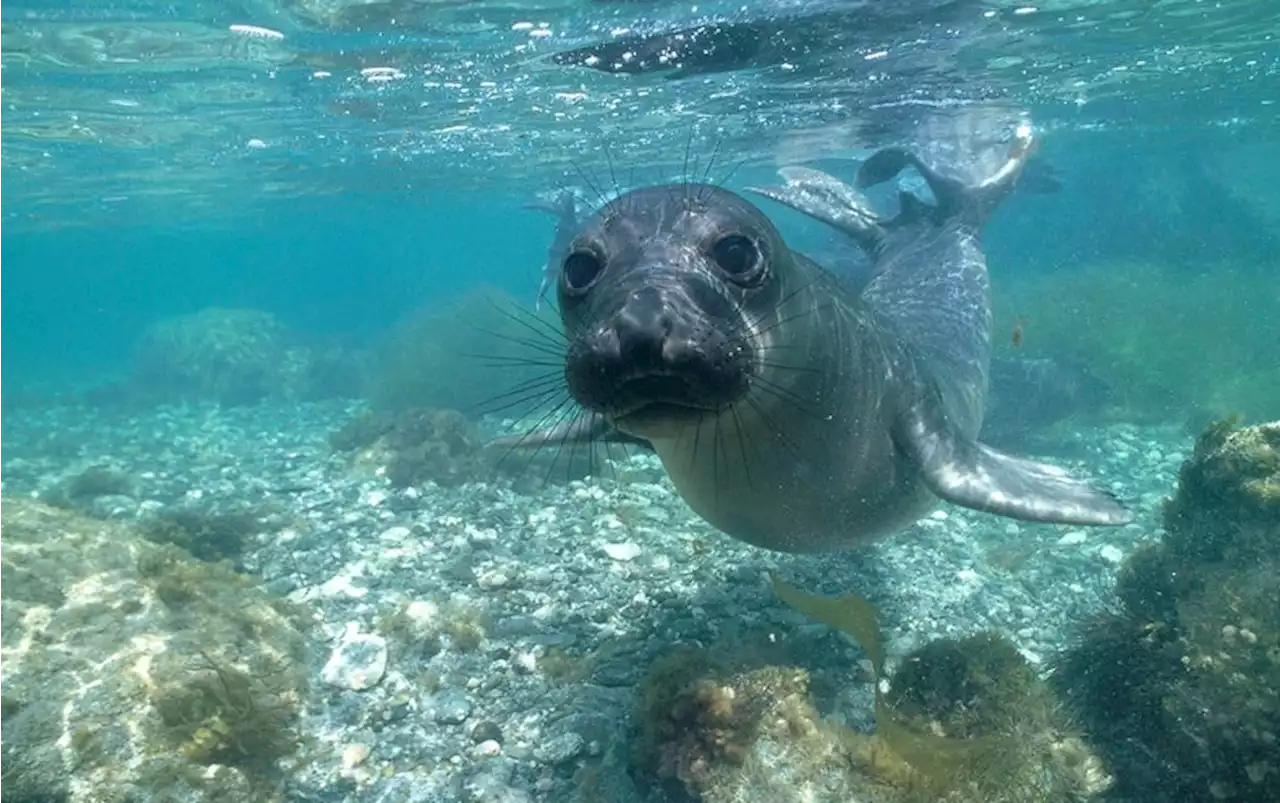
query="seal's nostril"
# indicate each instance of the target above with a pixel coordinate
(643, 325)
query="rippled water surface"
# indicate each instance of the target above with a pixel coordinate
(199, 112)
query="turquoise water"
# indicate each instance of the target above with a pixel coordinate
(338, 163)
(254, 545)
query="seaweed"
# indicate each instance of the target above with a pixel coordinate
(218, 713)
(208, 536)
(78, 489)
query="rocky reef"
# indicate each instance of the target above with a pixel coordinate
(962, 720)
(414, 446)
(134, 671)
(1179, 685)
(238, 356)
(481, 352)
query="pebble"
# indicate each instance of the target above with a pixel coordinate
(358, 662)
(562, 748)
(490, 783)
(513, 738)
(486, 731)
(1111, 554)
(452, 707)
(623, 553)
(495, 578)
(354, 755)
(395, 534)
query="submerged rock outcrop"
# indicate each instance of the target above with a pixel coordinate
(1180, 684)
(963, 720)
(236, 357)
(133, 671)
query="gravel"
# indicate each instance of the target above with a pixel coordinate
(481, 644)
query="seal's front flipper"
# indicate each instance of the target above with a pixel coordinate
(583, 429)
(972, 475)
(828, 199)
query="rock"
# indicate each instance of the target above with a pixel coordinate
(452, 707)
(133, 671)
(1111, 554)
(358, 662)
(486, 731)
(623, 553)
(354, 755)
(1072, 538)
(562, 748)
(491, 783)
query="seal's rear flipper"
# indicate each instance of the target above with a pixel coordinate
(972, 475)
(953, 195)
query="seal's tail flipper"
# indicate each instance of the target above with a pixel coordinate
(972, 475)
(830, 200)
(953, 195)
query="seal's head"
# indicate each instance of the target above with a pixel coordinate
(657, 295)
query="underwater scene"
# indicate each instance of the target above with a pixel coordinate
(640, 401)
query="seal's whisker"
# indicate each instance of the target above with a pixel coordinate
(684, 168)
(536, 325)
(724, 180)
(548, 349)
(519, 444)
(786, 394)
(504, 361)
(530, 399)
(805, 313)
(777, 431)
(706, 173)
(777, 366)
(715, 460)
(590, 180)
(742, 443)
(613, 176)
(562, 414)
(697, 439)
(573, 450)
(552, 380)
(526, 318)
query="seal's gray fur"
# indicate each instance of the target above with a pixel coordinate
(788, 412)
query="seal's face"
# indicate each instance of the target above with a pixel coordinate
(656, 294)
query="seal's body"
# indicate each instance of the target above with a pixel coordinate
(789, 412)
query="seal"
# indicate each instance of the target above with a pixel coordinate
(789, 412)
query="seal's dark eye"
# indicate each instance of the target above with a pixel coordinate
(581, 269)
(737, 256)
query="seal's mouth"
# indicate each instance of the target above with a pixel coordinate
(659, 397)
(666, 395)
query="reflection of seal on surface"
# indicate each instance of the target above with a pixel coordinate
(788, 412)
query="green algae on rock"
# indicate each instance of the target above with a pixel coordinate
(415, 446)
(963, 721)
(1180, 686)
(118, 689)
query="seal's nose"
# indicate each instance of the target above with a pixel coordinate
(642, 327)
